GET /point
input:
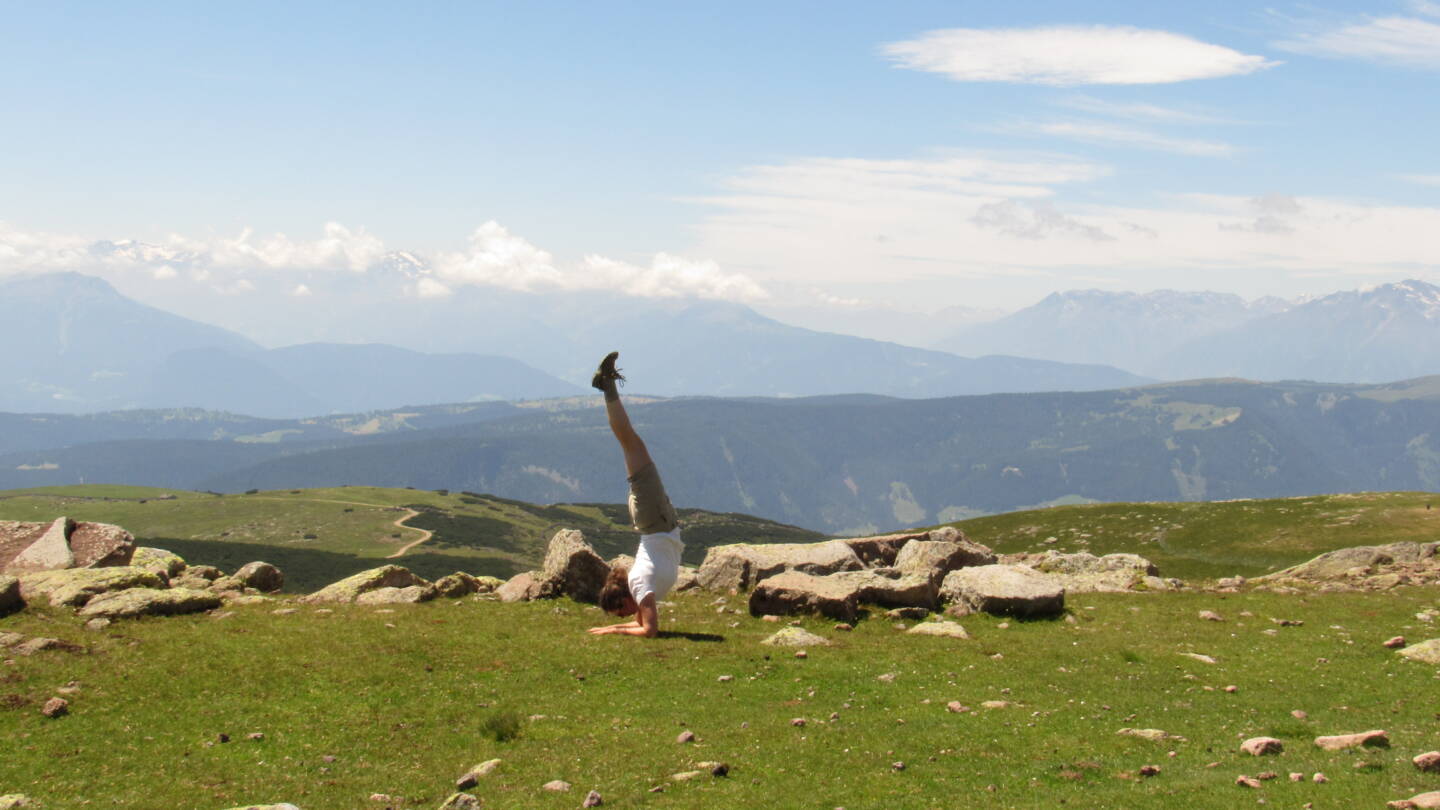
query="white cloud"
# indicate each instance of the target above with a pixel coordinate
(301, 290)
(1135, 111)
(1404, 41)
(164, 273)
(1070, 55)
(1102, 133)
(1030, 221)
(430, 288)
(1422, 179)
(1426, 7)
(499, 258)
(672, 277)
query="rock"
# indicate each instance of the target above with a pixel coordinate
(1201, 657)
(686, 776)
(1394, 643)
(1083, 572)
(17, 801)
(456, 585)
(743, 565)
(486, 768)
(1369, 739)
(880, 551)
(1151, 734)
(592, 799)
(227, 586)
(261, 576)
(573, 568)
(796, 637)
(1260, 746)
(1004, 590)
(716, 769)
(942, 628)
(350, 588)
(280, 806)
(1230, 583)
(9, 639)
(888, 587)
(1210, 616)
(524, 588)
(1247, 781)
(1429, 762)
(209, 573)
(412, 595)
(685, 737)
(687, 580)
(56, 707)
(487, 584)
(49, 552)
(1426, 652)
(162, 562)
(10, 599)
(956, 707)
(1356, 561)
(75, 587)
(1319, 778)
(933, 559)
(149, 602)
(995, 704)
(96, 625)
(1149, 770)
(556, 785)
(793, 592)
(460, 801)
(65, 543)
(797, 722)
(1421, 801)
(41, 644)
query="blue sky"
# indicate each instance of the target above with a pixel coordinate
(913, 155)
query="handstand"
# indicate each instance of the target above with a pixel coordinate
(657, 560)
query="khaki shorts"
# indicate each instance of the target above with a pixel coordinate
(650, 509)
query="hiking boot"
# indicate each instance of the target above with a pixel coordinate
(607, 372)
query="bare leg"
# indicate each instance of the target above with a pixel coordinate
(636, 454)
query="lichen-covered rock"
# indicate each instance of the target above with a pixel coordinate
(209, 573)
(158, 560)
(935, 559)
(1426, 652)
(573, 568)
(1083, 572)
(10, 599)
(940, 628)
(796, 637)
(149, 602)
(889, 587)
(412, 595)
(1261, 746)
(798, 592)
(1003, 590)
(742, 565)
(525, 587)
(456, 585)
(1365, 568)
(18, 801)
(351, 587)
(487, 584)
(1368, 739)
(262, 576)
(460, 801)
(73, 587)
(49, 552)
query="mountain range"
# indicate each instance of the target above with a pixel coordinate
(842, 465)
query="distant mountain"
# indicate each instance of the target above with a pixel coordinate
(838, 464)
(1384, 333)
(1134, 331)
(74, 344)
(906, 327)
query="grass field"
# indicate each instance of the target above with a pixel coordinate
(1218, 539)
(366, 701)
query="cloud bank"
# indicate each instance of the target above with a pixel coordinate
(1400, 41)
(1065, 56)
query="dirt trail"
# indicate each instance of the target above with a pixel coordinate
(425, 534)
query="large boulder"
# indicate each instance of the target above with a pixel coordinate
(74, 587)
(798, 592)
(889, 587)
(63, 543)
(934, 558)
(742, 565)
(158, 560)
(1083, 572)
(261, 576)
(1013, 590)
(412, 595)
(524, 587)
(1426, 652)
(456, 585)
(10, 599)
(573, 568)
(1340, 564)
(350, 588)
(149, 602)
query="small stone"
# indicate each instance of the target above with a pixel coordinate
(1395, 642)
(1300, 714)
(97, 624)
(897, 766)
(798, 722)
(844, 627)
(1319, 778)
(1201, 657)
(801, 654)
(1260, 746)
(1247, 781)
(486, 768)
(56, 707)
(255, 736)
(725, 678)
(1369, 739)
(382, 798)
(1429, 762)
(460, 801)
(327, 758)
(888, 677)
(1287, 622)
(1210, 616)
(1296, 776)
(1267, 776)
(467, 781)
(957, 707)
(287, 612)
(592, 799)
(1152, 734)
(1232, 689)
(1149, 770)
(558, 785)
(996, 704)
(769, 617)
(686, 776)
(834, 716)
(222, 737)
(685, 737)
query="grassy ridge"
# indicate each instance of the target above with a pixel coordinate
(403, 699)
(1221, 539)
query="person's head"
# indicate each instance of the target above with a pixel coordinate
(615, 595)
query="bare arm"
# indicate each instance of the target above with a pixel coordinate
(646, 623)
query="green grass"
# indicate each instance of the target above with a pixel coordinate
(1218, 539)
(406, 701)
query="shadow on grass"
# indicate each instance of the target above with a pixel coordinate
(689, 636)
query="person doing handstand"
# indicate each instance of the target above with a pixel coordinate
(635, 592)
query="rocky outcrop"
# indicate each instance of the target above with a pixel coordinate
(61, 544)
(1013, 590)
(149, 602)
(524, 587)
(456, 585)
(572, 567)
(888, 587)
(1426, 652)
(10, 599)
(798, 592)
(158, 560)
(743, 565)
(1083, 572)
(76, 586)
(261, 576)
(411, 595)
(350, 588)
(1363, 568)
(935, 558)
